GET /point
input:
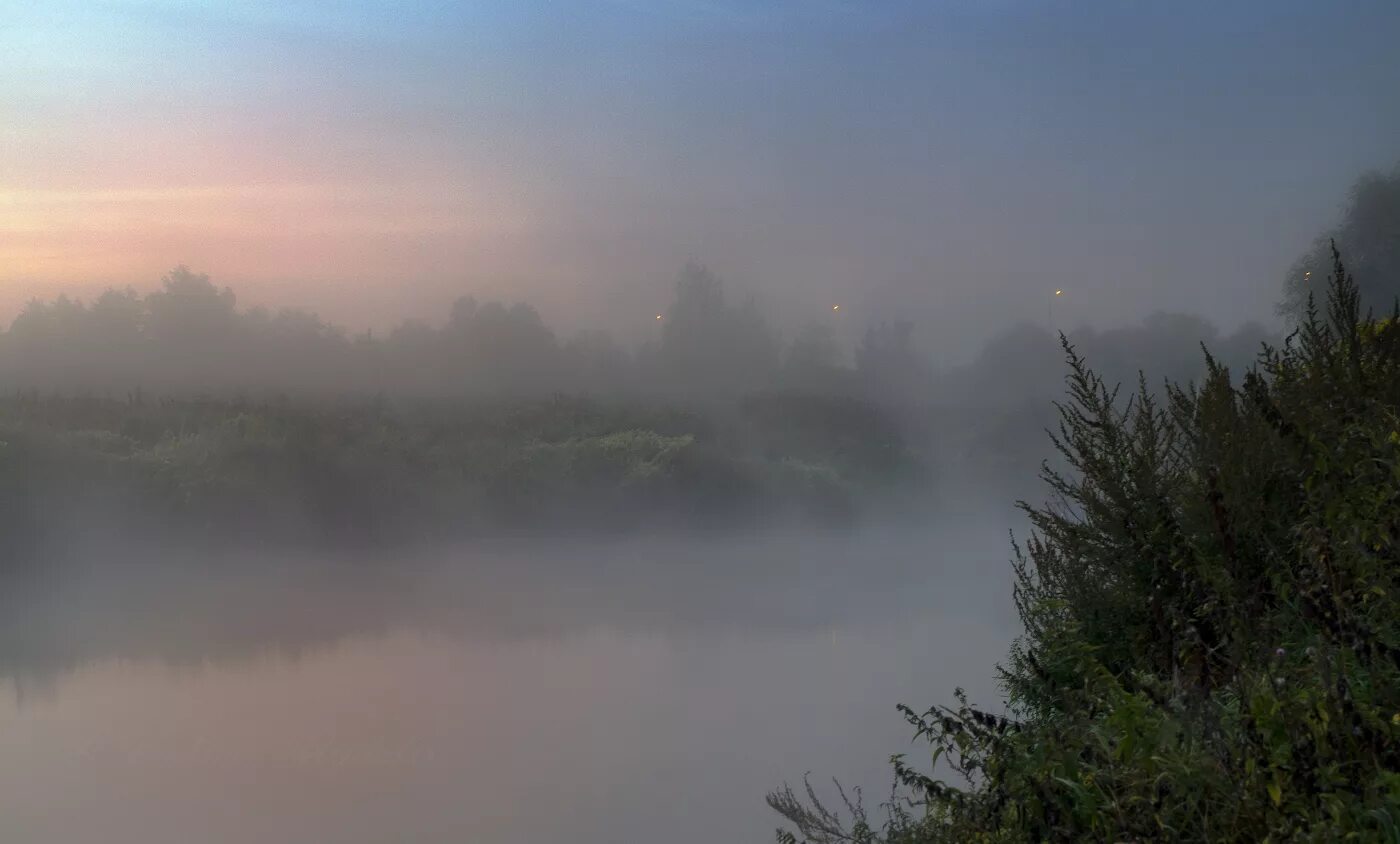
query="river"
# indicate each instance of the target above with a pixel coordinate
(646, 690)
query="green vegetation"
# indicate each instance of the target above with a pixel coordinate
(1211, 610)
(380, 472)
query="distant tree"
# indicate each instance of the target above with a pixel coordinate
(1021, 364)
(595, 362)
(192, 325)
(711, 347)
(1369, 235)
(1166, 346)
(118, 339)
(1016, 366)
(189, 308)
(412, 360)
(119, 318)
(499, 348)
(813, 362)
(295, 349)
(889, 367)
(51, 345)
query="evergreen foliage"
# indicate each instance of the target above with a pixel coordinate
(1211, 646)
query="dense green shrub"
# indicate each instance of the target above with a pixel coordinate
(854, 435)
(378, 472)
(1211, 648)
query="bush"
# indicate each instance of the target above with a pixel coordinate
(1212, 636)
(378, 473)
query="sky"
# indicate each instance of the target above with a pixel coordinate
(947, 162)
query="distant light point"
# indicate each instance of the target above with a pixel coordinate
(836, 307)
(1058, 292)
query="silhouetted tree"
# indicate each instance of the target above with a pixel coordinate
(710, 347)
(189, 337)
(594, 362)
(1369, 235)
(889, 367)
(502, 349)
(813, 362)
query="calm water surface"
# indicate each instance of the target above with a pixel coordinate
(602, 702)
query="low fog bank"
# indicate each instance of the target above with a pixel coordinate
(188, 606)
(176, 413)
(189, 338)
(162, 452)
(712, 344)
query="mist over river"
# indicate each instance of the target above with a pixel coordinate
(513, 691)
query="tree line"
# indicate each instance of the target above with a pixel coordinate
(190, 337)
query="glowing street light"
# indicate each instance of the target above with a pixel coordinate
(836, 307)
(658, 316)
(1050, 309)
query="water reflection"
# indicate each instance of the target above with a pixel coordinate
(433, 700)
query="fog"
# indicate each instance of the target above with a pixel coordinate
(504, 691)
(534, 421)
(189, 337)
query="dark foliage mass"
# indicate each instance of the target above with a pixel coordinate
(1369, 235)
(372, 473)
(189, 338)
(1212, 636)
